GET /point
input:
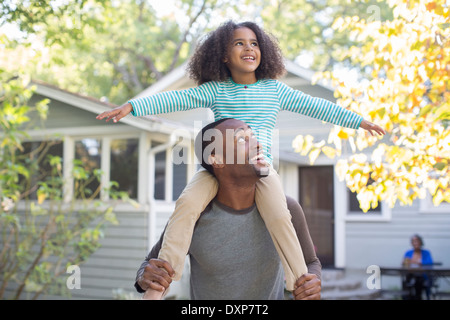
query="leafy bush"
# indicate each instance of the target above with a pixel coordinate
(42, 232)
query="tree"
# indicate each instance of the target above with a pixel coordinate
(41, 234)
(405, 89)
(115, 49)
(106, 49)
(304, 28)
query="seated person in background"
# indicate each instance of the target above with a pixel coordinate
(417, 257)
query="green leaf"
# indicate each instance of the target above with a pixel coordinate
(440, 165)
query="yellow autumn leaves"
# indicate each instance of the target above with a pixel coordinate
(406, 65)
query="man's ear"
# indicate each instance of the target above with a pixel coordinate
(216, 161)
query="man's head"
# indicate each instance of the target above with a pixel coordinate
(228, 146)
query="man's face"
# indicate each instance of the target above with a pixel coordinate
(241, 153)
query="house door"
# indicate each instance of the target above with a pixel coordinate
(316, 198)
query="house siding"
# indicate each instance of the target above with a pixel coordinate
(387, 241)
(384, 243)
(113, 266)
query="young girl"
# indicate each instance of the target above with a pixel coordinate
(236, 68)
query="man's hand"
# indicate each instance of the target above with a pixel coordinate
(307, 287)
(157, 275)
(372, 127)
(117, 113)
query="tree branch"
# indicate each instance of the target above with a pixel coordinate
(129, 78)
(176, 54)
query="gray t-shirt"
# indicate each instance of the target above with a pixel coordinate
(233, 257)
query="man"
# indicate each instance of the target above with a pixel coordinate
(232, 254)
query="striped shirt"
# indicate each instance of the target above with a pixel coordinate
(256, 104)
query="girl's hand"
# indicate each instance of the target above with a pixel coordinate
(372, 127)
(117, 113)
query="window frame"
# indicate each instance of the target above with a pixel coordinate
(105, 159)
(426, 206)
(384, 214)
(68, 136)
(341, 189)
(169, 174)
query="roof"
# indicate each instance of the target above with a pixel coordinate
(90, 104)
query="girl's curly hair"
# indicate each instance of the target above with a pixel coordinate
(207, 62)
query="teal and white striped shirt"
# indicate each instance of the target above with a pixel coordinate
(256, 104)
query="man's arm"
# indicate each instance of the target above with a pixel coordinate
(301, 228)
(308, 286)
(152, 255)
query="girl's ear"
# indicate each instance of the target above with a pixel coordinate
(225, 60)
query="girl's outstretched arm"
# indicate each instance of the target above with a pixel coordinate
(322, 109)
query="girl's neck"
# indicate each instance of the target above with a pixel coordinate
(248, 78)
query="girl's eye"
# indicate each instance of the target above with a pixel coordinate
(238, 43)
(255, 44)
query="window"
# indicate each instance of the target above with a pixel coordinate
(124, 165)
(116, 158)
(354, 213)
(38, 151)
(88, 152)
(427, 206)
(348, 204)
(176, 178)
(179, 179)
(353, 205)
(179, 174)
(160, 176)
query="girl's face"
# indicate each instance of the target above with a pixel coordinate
(243, 56)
